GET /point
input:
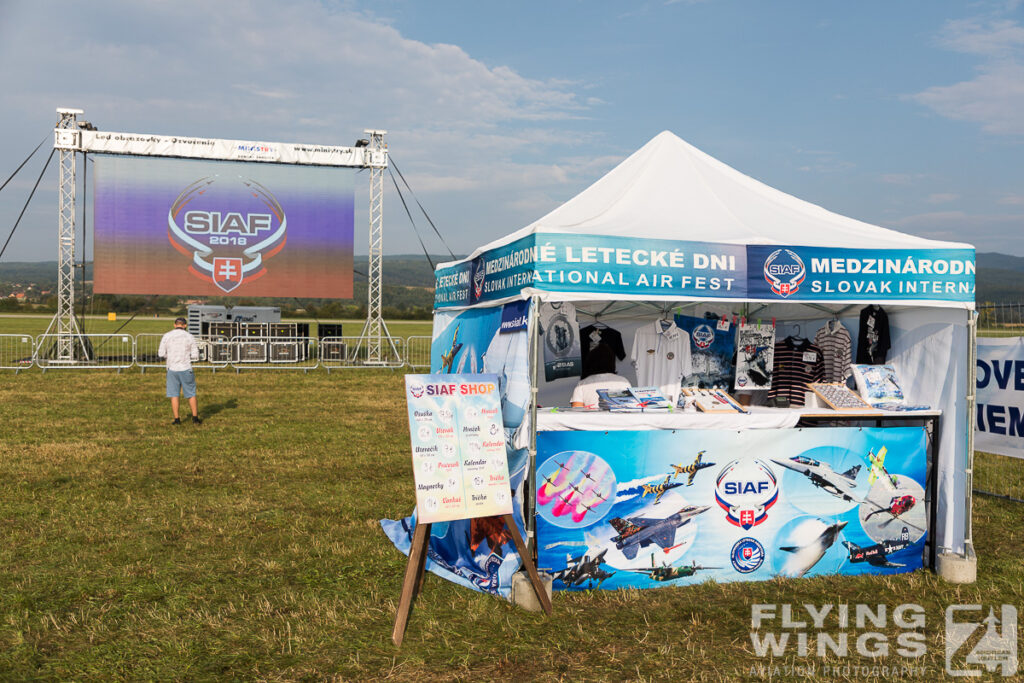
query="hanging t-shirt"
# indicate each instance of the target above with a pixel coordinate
(661, 355)
(712, 352)
(836, 346)
(755, 348)
(600, 346)
(560, 334)
(873, 336)
(796, 364)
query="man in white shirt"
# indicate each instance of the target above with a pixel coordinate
(179, 347)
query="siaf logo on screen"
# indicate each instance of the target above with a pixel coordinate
(229, 227)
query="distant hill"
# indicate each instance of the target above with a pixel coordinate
(409, 279)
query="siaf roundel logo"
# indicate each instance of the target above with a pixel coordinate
(747, 555)
(703, 336)
(746, 489)
(229, 227)
(784, 271)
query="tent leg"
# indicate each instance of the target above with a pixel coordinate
(954, 567)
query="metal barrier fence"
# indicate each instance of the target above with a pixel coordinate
(417, 352)
(267, 353)
(211, 348)
(121, 351)
(1001, 320)
(84, 351)
(16, 351)
(351, 352)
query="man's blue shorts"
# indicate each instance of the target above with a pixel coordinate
(181, 380)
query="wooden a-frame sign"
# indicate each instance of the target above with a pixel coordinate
(418, 563)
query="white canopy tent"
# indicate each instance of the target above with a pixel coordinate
(671, 225)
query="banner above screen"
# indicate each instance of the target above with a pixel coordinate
(629, 267)
(171, 226)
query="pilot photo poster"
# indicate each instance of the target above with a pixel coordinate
(218, 228)
(653, 508)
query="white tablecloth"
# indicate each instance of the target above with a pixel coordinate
(549, 420)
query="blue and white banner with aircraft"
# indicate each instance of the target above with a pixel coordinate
(646, 509)
(628, 266)
(999, 411)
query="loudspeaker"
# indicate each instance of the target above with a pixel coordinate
(328, 330)
(332, 350)
(287, 351)
(226, 330)
(284, 330)
(252, 352)
(221, 352)
(252, 329)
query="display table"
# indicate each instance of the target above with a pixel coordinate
(562, 419)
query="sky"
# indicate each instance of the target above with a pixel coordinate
(908, 115)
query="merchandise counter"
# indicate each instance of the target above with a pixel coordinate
(565, 419)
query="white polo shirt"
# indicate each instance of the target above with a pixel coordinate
(661, 356)
(179, 348)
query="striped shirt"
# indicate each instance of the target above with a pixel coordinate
(796, 364)
(837, 347)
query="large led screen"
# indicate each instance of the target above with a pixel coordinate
(214, 228)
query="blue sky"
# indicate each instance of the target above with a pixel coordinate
(905, 114)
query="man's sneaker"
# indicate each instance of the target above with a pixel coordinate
(177, 421)
(196, 420)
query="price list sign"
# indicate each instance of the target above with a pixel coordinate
(458, 447)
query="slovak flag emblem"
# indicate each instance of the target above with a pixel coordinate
(227, 272)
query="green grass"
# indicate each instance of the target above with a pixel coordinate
(249, 548)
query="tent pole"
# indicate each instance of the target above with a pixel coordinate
(531, 470)
(972, 383)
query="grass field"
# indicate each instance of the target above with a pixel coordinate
(249, 548)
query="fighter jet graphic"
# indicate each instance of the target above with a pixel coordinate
(448, 357)
(877, 555)
(636, 533)
(692, 468)
(878, 470)
(582, 568)
(666, 572)
(839, 484)
(659, 489)
(806, 556)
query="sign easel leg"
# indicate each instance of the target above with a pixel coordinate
(531, 568)
(413, 579)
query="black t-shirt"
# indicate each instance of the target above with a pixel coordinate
(599, 347)
(873, 337)
(796, 364)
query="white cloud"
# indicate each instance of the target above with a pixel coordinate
(942, 198)
(995, 97)
(302, 71)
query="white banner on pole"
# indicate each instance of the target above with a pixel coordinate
(999, 416)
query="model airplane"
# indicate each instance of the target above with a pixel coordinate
(806, 556)
(878, 469)
(666, 572)
(582, 568)
(659, 489)
(448, 357)
(898, 505)
(639, 532)
(692, 468)
(877, 555)
(839, 484)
